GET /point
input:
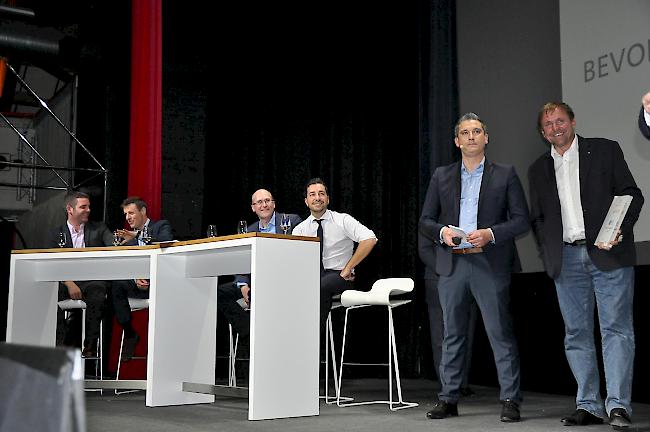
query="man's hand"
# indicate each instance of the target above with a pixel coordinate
(608, 246)
(645, 100)
(245, 292)
(480, 238)
(142, 284)
(447, 236)
(127, 235)
(347, 274)
(73, 290)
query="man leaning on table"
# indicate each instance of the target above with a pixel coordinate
(231, 295)
(135, 213)
(80, 232)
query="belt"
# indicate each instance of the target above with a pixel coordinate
(472, 250)
(580, 242)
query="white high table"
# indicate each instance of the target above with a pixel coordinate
(283, 376)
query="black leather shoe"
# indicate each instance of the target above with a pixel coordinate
(89, 352)
(128, 349)
(581, 417)
(510, 411)
(619, 419)
(442, 409)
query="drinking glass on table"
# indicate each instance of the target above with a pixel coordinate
(117, 240)
(61, 241)
(146, 235)
(242, 227)
(212, 231)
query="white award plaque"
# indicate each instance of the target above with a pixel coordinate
(613, 220)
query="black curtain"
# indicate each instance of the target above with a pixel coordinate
(361, 95)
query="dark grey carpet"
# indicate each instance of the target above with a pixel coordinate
(540, 412)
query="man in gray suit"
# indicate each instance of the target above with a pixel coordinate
(234, 297)
(80, 232)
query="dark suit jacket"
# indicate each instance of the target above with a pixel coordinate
(643, 126)
(255, 227)
(96, 234)
(160, 231)
(603, 174)
(502, 207)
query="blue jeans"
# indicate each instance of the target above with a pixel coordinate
(580, 287)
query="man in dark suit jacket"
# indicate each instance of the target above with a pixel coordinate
(135, 213)
(571, 189)
(644, 116)
(234, 297)
(487, 202)
(79, 232)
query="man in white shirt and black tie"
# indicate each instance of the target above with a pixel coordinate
(338, 233)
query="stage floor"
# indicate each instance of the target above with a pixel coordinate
(480, 412)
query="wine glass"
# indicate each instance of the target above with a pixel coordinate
(242, 227)
(212, 231)
(285, 223)
(117, 240)
(145, 236)
(61, 241)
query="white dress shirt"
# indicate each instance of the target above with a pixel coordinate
(647, 117)
(77, 237)
(340, 231)
(567, 170)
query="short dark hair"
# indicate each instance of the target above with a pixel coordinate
(470, 116)
(549, 107)
(71, 198)
(139, 202)
(315, 180)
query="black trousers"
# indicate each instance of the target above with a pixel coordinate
(331, 284)
(121, 290)
(227, 296)
(94, 294)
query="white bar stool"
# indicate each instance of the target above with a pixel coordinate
(69, 305)
(379, 295)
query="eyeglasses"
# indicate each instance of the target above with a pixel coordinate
(264, 201)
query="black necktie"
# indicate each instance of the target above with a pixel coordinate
(319, 234)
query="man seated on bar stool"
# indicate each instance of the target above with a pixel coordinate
(233, 298)
(338, 233)
(135, 212)
(79, 232)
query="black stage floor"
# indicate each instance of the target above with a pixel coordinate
(480, 412)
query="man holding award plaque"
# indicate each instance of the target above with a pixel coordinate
(573, 187)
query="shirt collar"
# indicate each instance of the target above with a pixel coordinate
(571, 152)
(478, 170)
(72, 230)
(270, 225)
(326, 215)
